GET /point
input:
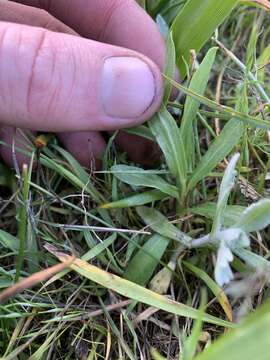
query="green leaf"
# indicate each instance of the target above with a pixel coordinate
(231, 214)
(218, 150)
(142, 131)
(249, 341)
(72, 178)
(169, 67)
(167, 134)
(143, 264)
(261, 63)
(136, 200)
(79, 171)
(253, 260)
(134, 291)
(191, 343)
(9, 241)
(138, 177)
(195, 24)
(223, 110)
(198, 84)
(256, 217)
(213, 286)
(161, 225)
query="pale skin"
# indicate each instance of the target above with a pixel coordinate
(79, 67)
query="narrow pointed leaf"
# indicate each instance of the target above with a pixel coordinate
(134, 291)
(167, 134)
(138, 177)
(195, 24)
(136, 200)
(198, 84)
(218, 150)
(161, 225)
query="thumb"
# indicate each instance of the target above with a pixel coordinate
(58, 82)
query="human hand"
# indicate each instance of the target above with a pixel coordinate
(54, 78)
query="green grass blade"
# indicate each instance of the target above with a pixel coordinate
(198, 84)
(73, 178)
(213, 286)
(169, 67)
(249, 341)
(23, 220)
(218, 150)
(138, 177)
(142, 131)
(195, 24)
(167, 134)
(224, 110)
(191, 343)
(143, 264)
(134, 291)
(136, 200)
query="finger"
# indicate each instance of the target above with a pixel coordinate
(65, 83)
(118, 22)
(87, 147)
(22, 14)
(15, 141)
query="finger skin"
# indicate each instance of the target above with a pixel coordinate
(87, 147)
(52, 82)
(22, 14)
(119, 14)
(118, 22)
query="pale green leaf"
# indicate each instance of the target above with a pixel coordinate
(256, 217)
(136, 200)
(231, 214)
(138, 177)
(161, 225)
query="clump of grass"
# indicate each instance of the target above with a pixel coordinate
(164, 259)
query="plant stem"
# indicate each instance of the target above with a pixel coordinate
(22, 227)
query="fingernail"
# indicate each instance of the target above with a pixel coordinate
(128, 87)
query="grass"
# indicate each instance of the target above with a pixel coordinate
(165, 260)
